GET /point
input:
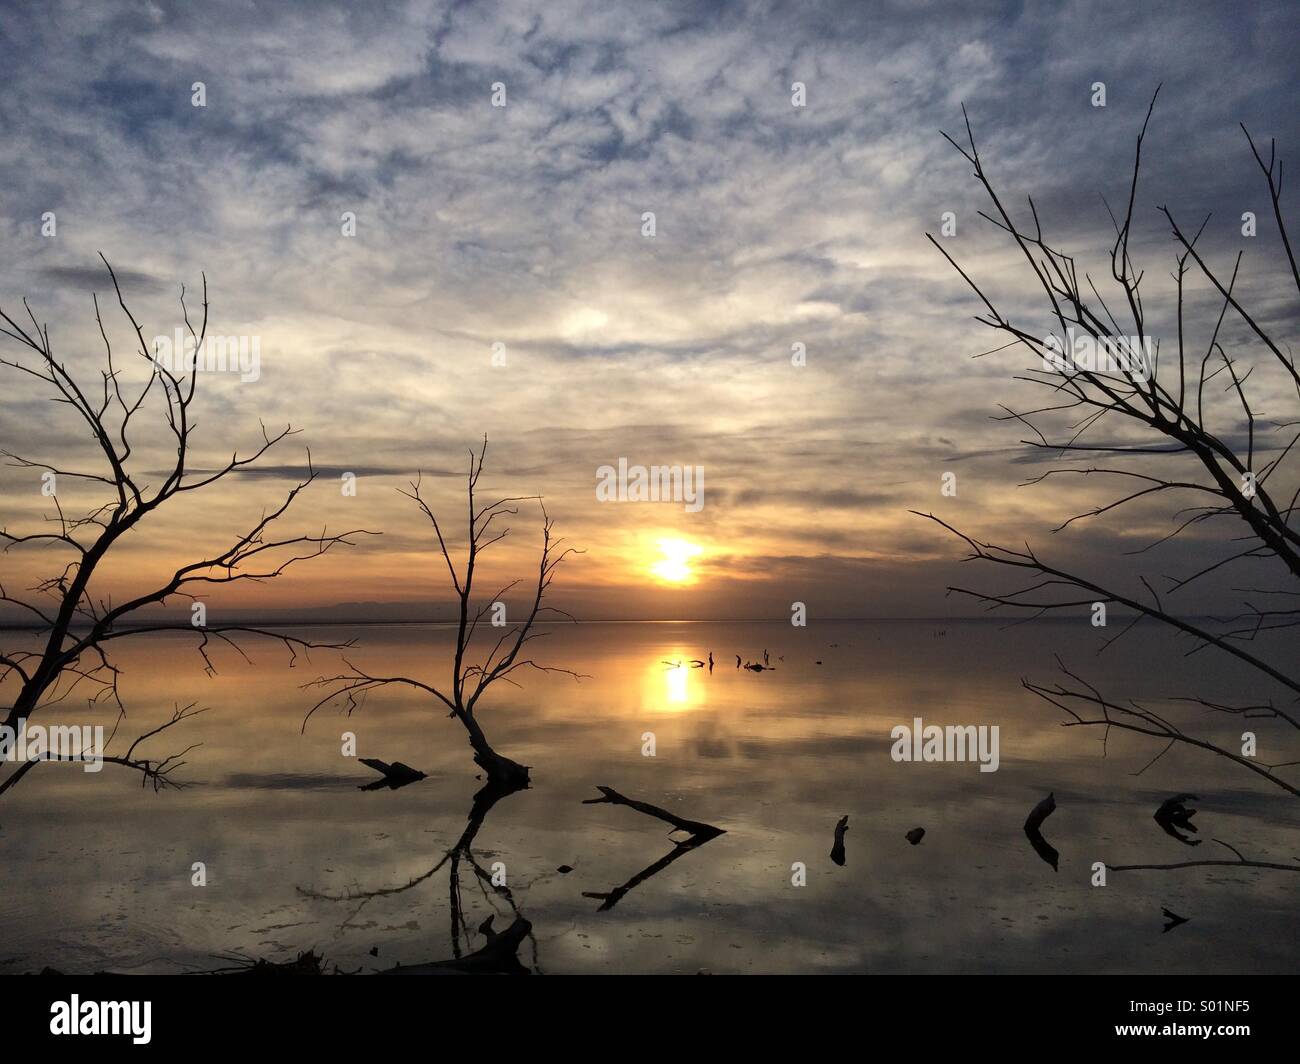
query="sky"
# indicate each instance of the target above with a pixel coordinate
(520, 230)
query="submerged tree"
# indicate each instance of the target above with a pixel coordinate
(71, 623)
(1194, 431)
(470, 680)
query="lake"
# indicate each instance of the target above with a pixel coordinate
(98, 872)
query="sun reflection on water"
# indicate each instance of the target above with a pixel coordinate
(669, 684)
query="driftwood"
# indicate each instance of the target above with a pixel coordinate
(695, 827)
(837, 851)
(308, 963)
(395, 775)
(1174, 814)
(1041, 846)
(498, 955)
(1240, 862)
(698, 834)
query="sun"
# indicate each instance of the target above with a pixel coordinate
(673, 566)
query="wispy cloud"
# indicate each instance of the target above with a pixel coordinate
(521, 226)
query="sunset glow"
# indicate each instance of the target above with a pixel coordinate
(602, 488)
(673, 565)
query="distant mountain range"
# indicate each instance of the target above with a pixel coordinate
(339, 613)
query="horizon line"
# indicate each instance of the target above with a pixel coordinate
(373, 623)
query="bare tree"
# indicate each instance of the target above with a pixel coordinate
(470, 680)
(74, 626)
(1172, 433)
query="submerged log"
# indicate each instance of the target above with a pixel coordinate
(1173, 814)
(1041, 846)
(837, 851)
(395, 775)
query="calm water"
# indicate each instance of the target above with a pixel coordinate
(96, 872)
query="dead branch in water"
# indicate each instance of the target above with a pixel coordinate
(695, 827)
(1240, 862)
(497, 955)
(392, 776)
(837, 851)
(1034, 822)
(697, 831)
(470, 681)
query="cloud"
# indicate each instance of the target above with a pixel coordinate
(85, 278)
(521, 226)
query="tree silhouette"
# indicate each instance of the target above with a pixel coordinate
(471, 680)
(1179, 435)
(75, 626)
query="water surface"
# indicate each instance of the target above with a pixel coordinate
(97, 871)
